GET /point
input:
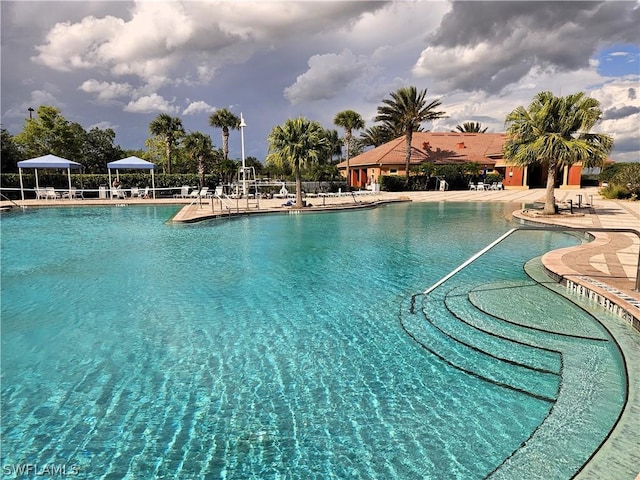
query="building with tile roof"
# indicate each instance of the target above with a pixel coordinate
(442, 148)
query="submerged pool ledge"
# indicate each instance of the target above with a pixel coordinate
(618, 455)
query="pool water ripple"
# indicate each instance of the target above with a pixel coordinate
(264, 347)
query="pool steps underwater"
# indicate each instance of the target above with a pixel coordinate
(546, 365)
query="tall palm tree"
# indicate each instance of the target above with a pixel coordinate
(170, 129)
(349, 120)
(225, 120)
(334, 146)
(296, 142)
(404, 112)
(470, 127)
(554, 131)
(200, 148)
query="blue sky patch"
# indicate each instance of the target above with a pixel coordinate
(619, 60)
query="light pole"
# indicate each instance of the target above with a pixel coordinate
(31, 110)
(244, 176)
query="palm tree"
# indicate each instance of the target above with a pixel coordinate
(170, 128)
(200, 148)
(470, 127)
(375, 136)
(334, 146)
(349, 120)
(404, 112)
(554, 131)
(296, 142)
(225, 120)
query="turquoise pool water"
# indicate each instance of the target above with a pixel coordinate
(287, 347)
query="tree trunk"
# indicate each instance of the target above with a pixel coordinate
(549, 199)
(168, 156)
(225, 144)
(296, 167)
(201, 171)
(407, 158)
(347, 137)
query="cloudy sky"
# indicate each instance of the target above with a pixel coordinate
(119, 64)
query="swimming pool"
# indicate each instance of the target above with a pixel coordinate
(287, 347)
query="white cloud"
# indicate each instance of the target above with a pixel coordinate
(619, 54)
(619, 95)
(103, 126)
(489, 45)
(327, 76)
(151, 104)
(106, 90)
(195, 108)
(159, 37)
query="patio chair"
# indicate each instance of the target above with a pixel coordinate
(282, 194)
(118, 193)
(52, 194)
(71, 193)
(41, 193)
(135, 192)
(145, 194)
(472, 186)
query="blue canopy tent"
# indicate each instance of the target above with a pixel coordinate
(47, 161)
(133, 163)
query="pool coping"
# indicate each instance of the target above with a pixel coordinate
(612, 300)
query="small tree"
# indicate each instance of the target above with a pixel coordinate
(405, 111)
(200, 148)
(225, 120)
(170, 129)
(296, 142)
(554, 131)
(349, 120)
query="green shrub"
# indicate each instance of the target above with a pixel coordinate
(493, 178)
(615, 192)
(392, 183)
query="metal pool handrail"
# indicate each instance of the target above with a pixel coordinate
(543, 228)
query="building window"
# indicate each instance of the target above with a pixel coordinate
(393, 171)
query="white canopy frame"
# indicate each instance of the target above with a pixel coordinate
(46, 161)
(133, 163)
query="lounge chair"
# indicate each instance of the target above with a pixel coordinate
(41, 193)
(184, 192)
(71, 193)
(203, 193)
(135, 192)
(52, 194)
(472, 186)
(145, 194)
(118, 193)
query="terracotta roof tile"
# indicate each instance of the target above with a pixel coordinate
(437, 147)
